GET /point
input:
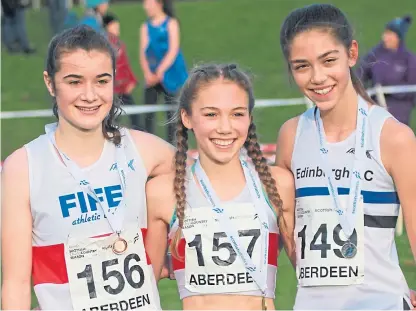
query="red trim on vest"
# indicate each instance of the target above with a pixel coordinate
(179, 263)
(48, 262)
(273, 248)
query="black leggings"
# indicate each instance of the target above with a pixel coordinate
(151, 95)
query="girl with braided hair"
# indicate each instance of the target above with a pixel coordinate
(224, 212)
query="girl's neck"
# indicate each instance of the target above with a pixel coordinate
(227, 179)
(82, 147)
(340, 121)
(158, 18)
(221, 171)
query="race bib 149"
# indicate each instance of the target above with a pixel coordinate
(320, 241)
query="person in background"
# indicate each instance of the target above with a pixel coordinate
(57, 15)
(391, 63)
(93, 16)
(14, 34)
(125, 80)
(161, 58)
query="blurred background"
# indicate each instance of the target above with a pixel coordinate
(242, 31)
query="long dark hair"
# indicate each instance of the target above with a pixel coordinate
(168, 7)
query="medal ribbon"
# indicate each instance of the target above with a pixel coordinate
(115, 216)
(258, 274)
(347, 217)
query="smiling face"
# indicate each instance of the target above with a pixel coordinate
(320, 66)
(220, 120)
(83, 88)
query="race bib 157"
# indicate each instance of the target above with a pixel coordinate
(211, 263)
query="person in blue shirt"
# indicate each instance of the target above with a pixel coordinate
(161, 58)
(93, 16)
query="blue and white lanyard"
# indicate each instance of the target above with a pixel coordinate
(259, 275)
(114, 216)
(347, 217)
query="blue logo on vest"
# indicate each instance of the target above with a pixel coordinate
(85, 203)
(130, 165)
(113, 167)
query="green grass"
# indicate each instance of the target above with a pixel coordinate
(242, 31)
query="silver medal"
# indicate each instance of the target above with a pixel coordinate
(349, 250)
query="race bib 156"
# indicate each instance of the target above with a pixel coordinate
(101, 280)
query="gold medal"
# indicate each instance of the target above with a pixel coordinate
(119, 246)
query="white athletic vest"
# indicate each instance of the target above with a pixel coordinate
(384, 286)
(196, 199)
(59, 208)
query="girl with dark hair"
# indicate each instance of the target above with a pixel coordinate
(74, 211)
(224, 212)
(353, 165)
(161, 58)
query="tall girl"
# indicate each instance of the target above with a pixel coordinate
(353, 165)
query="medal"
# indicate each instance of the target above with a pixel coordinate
(115, 220)
(347, 216)
(119, 246)
(263, 304)
(349, 250)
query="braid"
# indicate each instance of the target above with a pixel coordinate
(262, 169)
(179, 182)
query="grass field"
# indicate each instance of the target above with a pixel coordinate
(243, 31)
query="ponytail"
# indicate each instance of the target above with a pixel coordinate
(359, 87)
(168, 8)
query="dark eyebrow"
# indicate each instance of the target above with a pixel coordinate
(74, 76)
(319, 57)
(104, 75)
(214, 108)
(327, 53)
